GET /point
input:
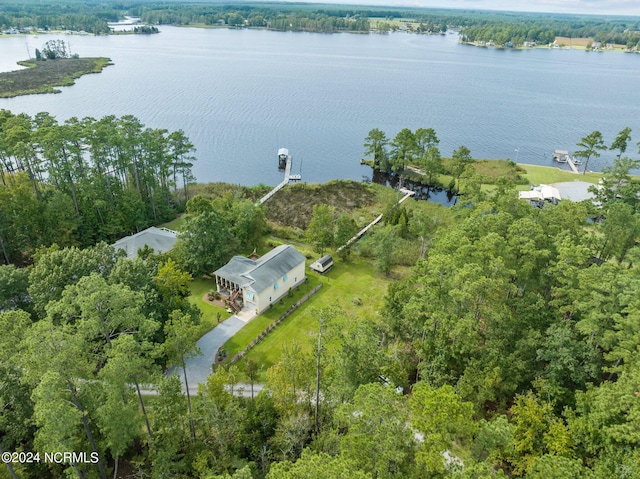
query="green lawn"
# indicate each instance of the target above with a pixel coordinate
(199, 287)
(177, 224)
(355, 278)
(247, 334)
(550, 174)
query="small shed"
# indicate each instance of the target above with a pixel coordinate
(322, 265)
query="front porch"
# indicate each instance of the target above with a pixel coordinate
(234, 296)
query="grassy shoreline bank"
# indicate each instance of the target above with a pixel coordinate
(44, 76)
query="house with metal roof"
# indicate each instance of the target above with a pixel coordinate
(160, 239)
(263, 281)
(541, 193)
(568, 190)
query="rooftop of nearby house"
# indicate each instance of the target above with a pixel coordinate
(160, 239)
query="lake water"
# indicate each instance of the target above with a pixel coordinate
(242, 94)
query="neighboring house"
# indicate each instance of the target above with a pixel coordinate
(160, 239)
(541, 193)
(263, 281)
(567, 190)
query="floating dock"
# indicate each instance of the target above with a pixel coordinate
(563, 156)
(284, 159)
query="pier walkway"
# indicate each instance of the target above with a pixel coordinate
(361, 233)
(287, 178)
(572, 165)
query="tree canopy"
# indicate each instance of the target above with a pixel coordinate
(83, 181)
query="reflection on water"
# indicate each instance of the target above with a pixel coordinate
(423, 192)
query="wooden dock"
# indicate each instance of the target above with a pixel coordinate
(288, 177)
(407, 194)
(572, 165)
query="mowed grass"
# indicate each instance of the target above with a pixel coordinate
(199, 287)
(347, 280)
(251, 331)
(177, 224)
(549, 174)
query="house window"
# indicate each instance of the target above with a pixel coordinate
(249, 295)
(285, 277)
(275, 286)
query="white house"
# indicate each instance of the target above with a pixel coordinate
(160, 239)
(263, 281)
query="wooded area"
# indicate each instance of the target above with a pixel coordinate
(84, 181)
(509, 348)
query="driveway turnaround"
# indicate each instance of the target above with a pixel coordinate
(199, 367)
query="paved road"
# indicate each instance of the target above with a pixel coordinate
(199, 367)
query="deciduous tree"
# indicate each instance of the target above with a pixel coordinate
(204, 246)
(321, 228)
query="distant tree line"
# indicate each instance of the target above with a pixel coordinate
(83, 181)
(543, 30)
(277, 18)
(498, 27)
(54, 15)
(145, 29)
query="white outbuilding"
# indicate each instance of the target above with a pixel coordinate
(322, 265)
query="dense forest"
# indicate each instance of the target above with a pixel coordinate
(501, 28)
(83, 181)
(75, 15)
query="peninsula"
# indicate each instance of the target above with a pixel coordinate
(44, 76)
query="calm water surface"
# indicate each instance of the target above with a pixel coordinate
(242, 94)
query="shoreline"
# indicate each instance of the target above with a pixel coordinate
(41, 77)
(581, 43)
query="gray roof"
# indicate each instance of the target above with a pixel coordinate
(260, 274)
(325, 260)
(160, 239)
(575, 190)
